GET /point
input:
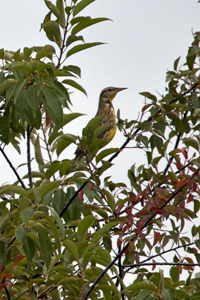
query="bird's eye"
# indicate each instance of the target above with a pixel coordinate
(109, 90)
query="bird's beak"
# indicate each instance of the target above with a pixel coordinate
(119, 89)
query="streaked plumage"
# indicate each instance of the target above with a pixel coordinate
(105, 109)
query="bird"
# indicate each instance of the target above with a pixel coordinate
(107, 112)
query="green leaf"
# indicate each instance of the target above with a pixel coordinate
(20, 234)
(174, 273)
(73, 38)
(29, 248)
(110, 199)
(50, 186)
(79, 48)
(52, 106)
(53, 32)
(63, 142)
(58, 220)
(191, 142)
(60, 6)
(169, 294)
(72, 248)
(61, 89)
(18, 88)
(27, 52)
(38, 153)
(33, 98)
(45, 243)
(42, 54)
(26, 215)
(13, 189)
(197, 255)
(149, 96)
(137, 286)
(83, 227)
(23, 66)
(5, 219)
(76, 70)
(70, 117)
(156, 142)
(52, 8)
(7, 84)
(81, 5)
(86, 23)
(58, 200)
(1, 53)
(105, 153)
(176, 63)
(75, 85)
(99, 234)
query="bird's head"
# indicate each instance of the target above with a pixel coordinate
(109, 93)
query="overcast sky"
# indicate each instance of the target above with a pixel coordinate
(143, 40)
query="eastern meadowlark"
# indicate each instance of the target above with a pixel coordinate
(106, 110)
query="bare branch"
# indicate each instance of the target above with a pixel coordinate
(13, 168)
(29, 156)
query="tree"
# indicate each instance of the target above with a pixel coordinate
(71, 232)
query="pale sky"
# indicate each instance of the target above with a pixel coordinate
(143, 40)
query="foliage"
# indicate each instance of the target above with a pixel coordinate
(71, 233)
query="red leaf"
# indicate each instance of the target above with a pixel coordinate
(195, 187)
(81, 193)
(180, 269)
(119, 242)
(140, 224)
(153, 266)
(181, 183)
(184, 151)
(48, 119)
(156, 237)
(91, 185)
(146, 107)
(179, 166)
(194, 249)
(189, 260)
(189, 268)
(2, 285)
(19, 257)
(190, 198)
(126, 252)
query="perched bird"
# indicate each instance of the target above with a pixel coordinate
(106, 110)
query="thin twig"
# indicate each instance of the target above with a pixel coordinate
(160, 264)
(176, 146)
(47, 149)
(162, 253)
(13, 168)
(29, 156)
(63, 41)
(131, 240)
(72, 198)
(122, 147)
(7, 293)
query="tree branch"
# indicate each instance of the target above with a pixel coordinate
(117, 153)
(160, 264)
(72, 198)
(132, 240)
(13, 168)
(63, 41)
(47, 149)
(7, 293)
(29, 156)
